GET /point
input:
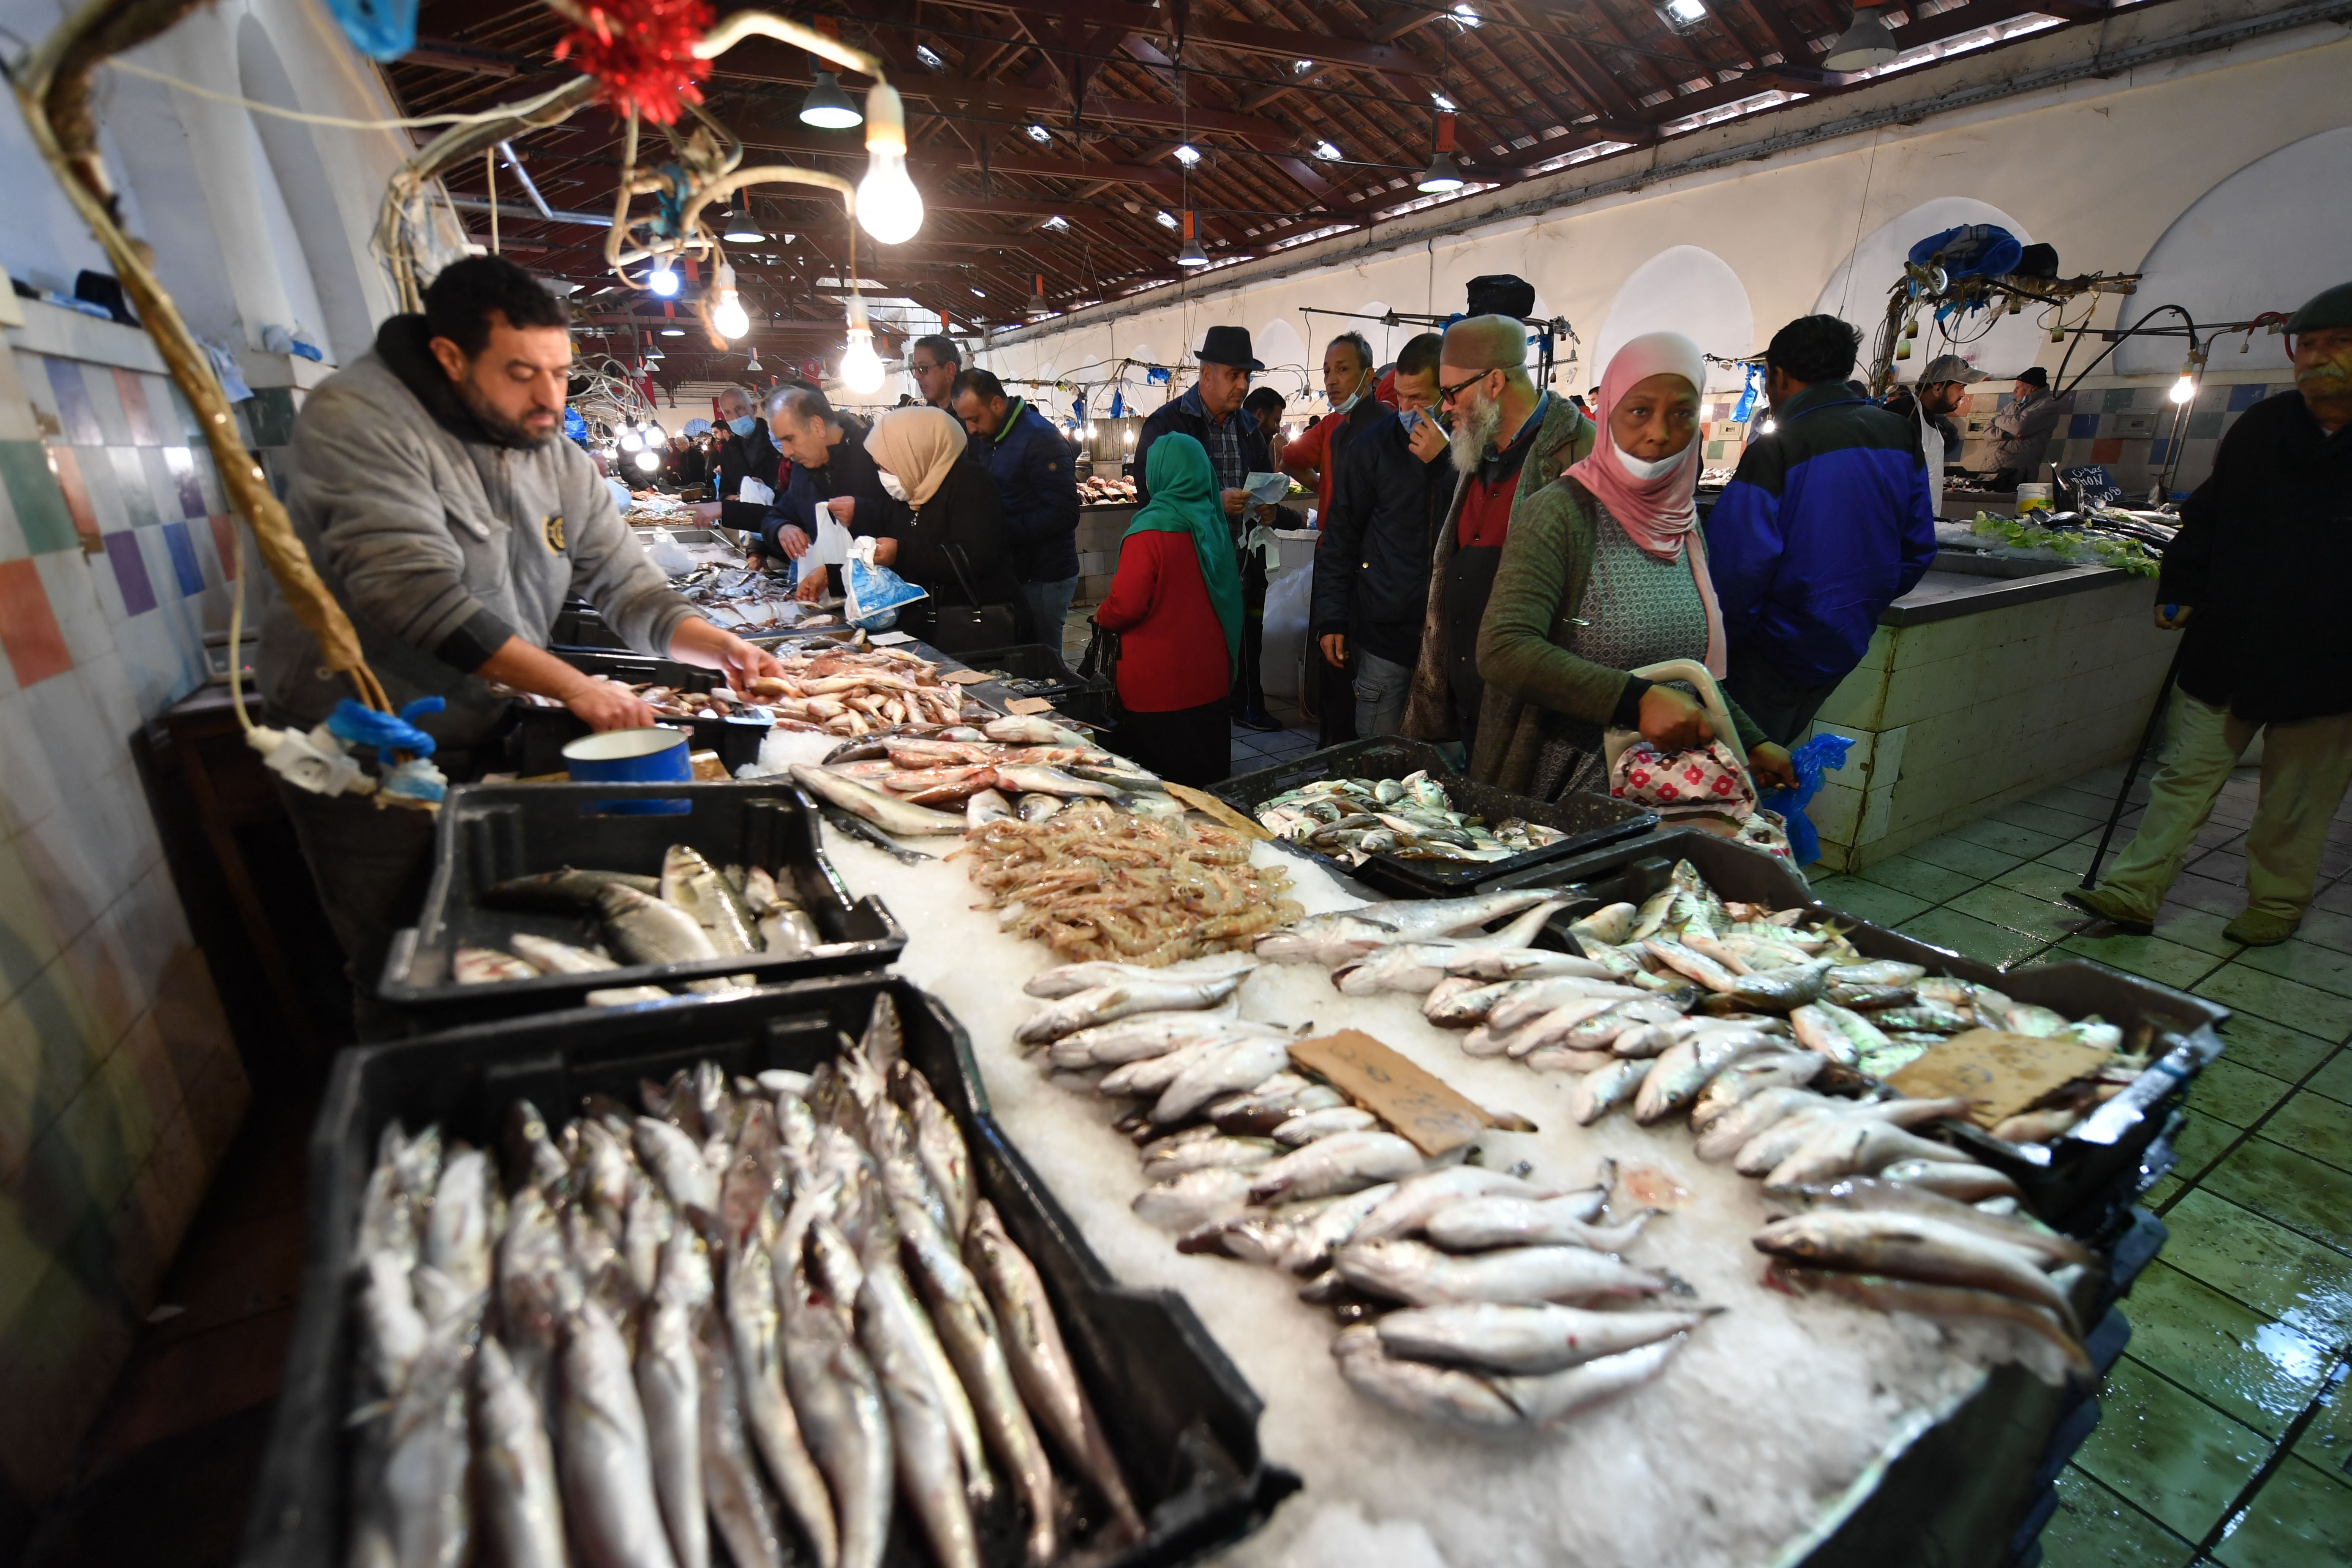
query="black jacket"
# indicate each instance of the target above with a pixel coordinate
(1371, 565)
(966, 512)
(2262, 555)
(848, 472)
(739, 455)
(1183, 416)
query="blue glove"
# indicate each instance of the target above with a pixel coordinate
(357, 725)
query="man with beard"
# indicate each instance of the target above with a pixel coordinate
(2256, 577)
(1509, 440)
(430, 485)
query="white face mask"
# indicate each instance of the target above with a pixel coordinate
(1352, 398)
(1641, 470)
(891, 486)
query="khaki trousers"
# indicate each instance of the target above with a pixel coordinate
(2306, 767)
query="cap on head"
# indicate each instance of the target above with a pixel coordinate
(2034, 375)
(1486, 343)
(1949, 367)
(1228, 346)
(2328, 308)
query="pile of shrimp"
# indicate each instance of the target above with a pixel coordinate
(1095, 883)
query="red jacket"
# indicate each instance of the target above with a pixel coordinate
(1172, 650)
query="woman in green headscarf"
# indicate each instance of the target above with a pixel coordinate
(1176, 603)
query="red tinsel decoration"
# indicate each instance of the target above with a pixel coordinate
(643, 53)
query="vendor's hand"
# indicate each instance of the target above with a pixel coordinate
(2174, 621)
(1771, 766)
(1335, 649)
(1671, 721)
(886, 552)
(795, 543)
(811, 588)
(698, 642)
(754, 561)
(1427, 441)
(708, 512)
(608, 705)
(1234, 501)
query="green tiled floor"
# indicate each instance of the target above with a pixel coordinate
(2225, 1438)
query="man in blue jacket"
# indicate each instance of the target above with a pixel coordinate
(1032, 465)
(1826, 521)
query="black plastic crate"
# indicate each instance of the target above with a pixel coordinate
(536, 743)
(2084, 1183)
(1181, 1418)
(1589, 820)
(490, 833)
(1032, 669)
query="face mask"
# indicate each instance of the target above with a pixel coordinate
(1639, 469)
(892, 487)
(1351, 400)
(1409, 418)
(741, 426)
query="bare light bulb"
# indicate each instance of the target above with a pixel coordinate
(861, 367)
(663, 280)
(889, 206)
(727, 317)
(630, 441)
(2185, 389)
(648, 461)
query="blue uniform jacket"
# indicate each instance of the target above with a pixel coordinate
(1030, 463)
(1826, 522)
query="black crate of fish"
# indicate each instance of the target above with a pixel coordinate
(745, 1294)
(1388, 812)
(541, 898)
(684, 696)
(1029, 669)
(2077, 1156)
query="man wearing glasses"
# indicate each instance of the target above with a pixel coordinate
(932, 364)
(1510, 438)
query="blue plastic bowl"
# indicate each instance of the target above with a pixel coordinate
(653, 755)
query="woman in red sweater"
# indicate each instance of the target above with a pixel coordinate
(1176, 603)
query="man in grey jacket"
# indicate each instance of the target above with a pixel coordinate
(431, 485)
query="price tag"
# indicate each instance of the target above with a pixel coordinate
(1030, 705)
(1998, 1074)
(965, 677)
(887, 639)
(1428, 1114)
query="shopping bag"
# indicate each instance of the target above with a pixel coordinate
(875, 594)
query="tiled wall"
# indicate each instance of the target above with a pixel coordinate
(120, 1085)
(2104, 425)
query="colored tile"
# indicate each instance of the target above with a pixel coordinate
(2160, 1447)
(1868, 901)
(1922, 879)
(269, 414)
(2040, 880)
(2315, 1125)
(2107, 449)
(2232, 1092)
(2200, 1141)
(183, 469)
(2094, 1525)
(2271, 1048)
(2244, 397)
(33, 492)
(136, 415)
(2301, 1518)
(2234, 1358)
(2150, 957)
(2262, 1263)
(1975, 861)
(225, 542)
(2293, 1189)
(131, 573)
(28, 628)
(76, 413)
(2334, 1080)
(2307, 962)
(2282, 1001)
(2023, 843)
(183, 559)
(131, 479)
(2005, 907)
(67, 466)
(1977, 939)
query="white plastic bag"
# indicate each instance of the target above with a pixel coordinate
(1287, 600)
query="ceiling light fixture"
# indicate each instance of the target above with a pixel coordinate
(673, 330)
(977, 294)
(1302, 66)
(826, 107)
(1866, 44)
(1057, 223)
(755, 367)
(1442, 175)
(1187, 155)
(861, 367)
(648, 459)
(1039, 134)
(1037, 306)
(930, 56)
(1687, 12)
(663, 279)
(1467, 15)
(889, 206)
(727, 317)
(1442, 101)
(1325, 150)
(737, 228)
(1191, 255)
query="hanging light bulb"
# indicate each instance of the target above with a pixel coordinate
(889, 206)
(861, 367)
(1442, 176)
(754, 368)
(655, 434)
(2184, 391)
(826, 107)
(648, 459)
(1191, 255)
(630, 441)
(737, 228)
(663, 280)
(727, 317)
(1866, 44)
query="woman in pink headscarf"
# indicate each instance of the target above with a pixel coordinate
(1605, 571)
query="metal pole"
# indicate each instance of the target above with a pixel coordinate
(2131, 774)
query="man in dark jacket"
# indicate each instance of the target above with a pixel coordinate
(1825, 523)
(1031, 463)
(2020, 432)
(830, 470)
(1371, 566)
(2256, 575)
(747, 453)
(1211, 413)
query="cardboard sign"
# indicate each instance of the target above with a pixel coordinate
(1030, 705)
(1210, 805)
(2000, 1074)
(966, 676)
(1428, 1115)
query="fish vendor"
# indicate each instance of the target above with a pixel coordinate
(431, 484)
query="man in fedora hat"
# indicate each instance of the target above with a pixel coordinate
(1211, 412)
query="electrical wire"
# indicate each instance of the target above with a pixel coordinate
(339, 121)
(237, 625)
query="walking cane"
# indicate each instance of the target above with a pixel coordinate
(2131, 774)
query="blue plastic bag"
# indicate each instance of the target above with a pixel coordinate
(875, 594)
(380, 29)
(1822, 755)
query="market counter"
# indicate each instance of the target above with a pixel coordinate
(1991, 681)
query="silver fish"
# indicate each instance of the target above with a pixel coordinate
(1069, 979)
(1526, 1338)
(1326, 1225)
(1031, 778)
(1967, 1182)
(522, 1517)
(1489, 1404)
(1151, 1074)
(1236, 1065)
(1210, 1154)
(931, 1470)
(1852, 1146)
(1610, 923)
(1879, 972)
(566, 888)
(1038, 808)
(988, 805)
(750, 1295)
(1730, 1132)
(1193, 1199)
(1600, 1092)
(1419, 1274)
(838, 1398)
(1535, 998)
(549, 956)
(1459, 1000)
(1042, 1368)
(1559, 1059)
(1333, 939)
(679, 1164)
(488, 965)
(1133, 1038)
(424, 1483)
(1553, 1396)
(730, 1479)
(1743, 1081)
(1415, 966)
(1108, 1004)
(938, 1143)
(647, 929)
(1949, 1303)
(1677, 1076)
(670, 1390)
(457, 1231)
(1780, 990)
(1688, 962)
(2052, 1248)
(1479, 1225)
(1418, 1197)
(1909, 1246)
(883, 809)
(1341, 1164)
(1308, 1126)
(607, 1469)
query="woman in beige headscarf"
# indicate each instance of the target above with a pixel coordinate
(948, 532)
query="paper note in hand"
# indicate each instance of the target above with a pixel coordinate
(1999, 1074)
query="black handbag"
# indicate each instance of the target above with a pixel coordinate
(972, 626)
(1100, 662)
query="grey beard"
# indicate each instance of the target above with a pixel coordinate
(1474, 429)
